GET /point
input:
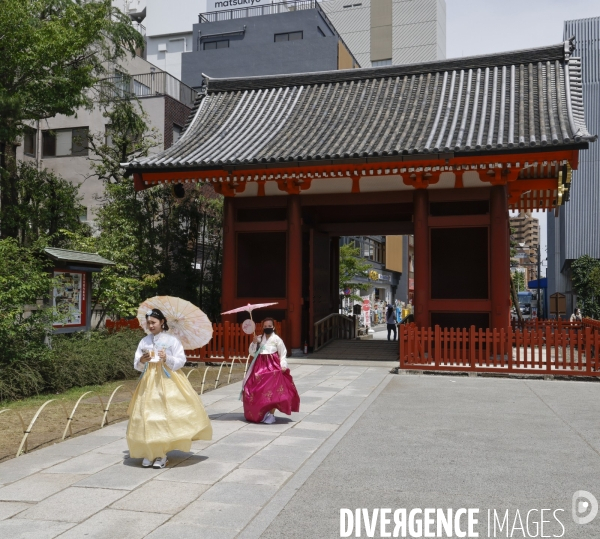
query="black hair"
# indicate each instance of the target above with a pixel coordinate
(157, 313)
(267, 320)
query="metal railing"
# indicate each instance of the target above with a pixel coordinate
(140, 28)
(258, 11)
(150, 85)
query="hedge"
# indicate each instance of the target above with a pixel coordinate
(73, 360)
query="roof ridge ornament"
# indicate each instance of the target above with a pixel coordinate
(569, 47)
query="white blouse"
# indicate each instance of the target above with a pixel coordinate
(172, 346)
(272, 344)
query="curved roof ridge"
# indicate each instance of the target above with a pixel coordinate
(557, 51)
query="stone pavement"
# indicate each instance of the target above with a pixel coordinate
(88, 487)
(364, 439)
(460, 442)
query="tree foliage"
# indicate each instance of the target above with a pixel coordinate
(585, 274)
(519, 280)
(54, 53)
(163, 242)
(352, 266)
(22, 332)
(47, 206)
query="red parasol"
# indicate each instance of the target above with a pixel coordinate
(250, 307)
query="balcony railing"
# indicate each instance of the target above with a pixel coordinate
(150, 85)
(258, 11)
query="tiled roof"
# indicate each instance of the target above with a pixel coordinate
(79, 257)
(500, 103)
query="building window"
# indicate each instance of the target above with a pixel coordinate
(65, 142)
(177, 129)
(380, 63)
(222, 44)
(29, 142)
(84, 215)
(289, 36)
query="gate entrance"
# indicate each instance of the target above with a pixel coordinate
(441, 150)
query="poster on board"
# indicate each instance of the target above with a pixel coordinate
(69, 297)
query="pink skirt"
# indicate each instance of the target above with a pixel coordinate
(269, 387)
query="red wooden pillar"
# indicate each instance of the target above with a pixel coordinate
(228, 289)
(294, 272)
(499, 257)
(422, 258)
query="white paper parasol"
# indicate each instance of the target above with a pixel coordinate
(186, 321)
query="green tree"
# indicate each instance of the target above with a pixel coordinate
(164, 240)
(585, 274)
(518, 278)
(47, 207)
(54, 52)
(25, 321)
(352, 266)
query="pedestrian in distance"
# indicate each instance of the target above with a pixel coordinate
(390, 319)
(165, 413)
(268, 384)
(576, 316)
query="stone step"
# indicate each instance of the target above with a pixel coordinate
(371, 350)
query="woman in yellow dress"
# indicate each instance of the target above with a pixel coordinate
(165, 412)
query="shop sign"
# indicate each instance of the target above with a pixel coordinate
(218, 5)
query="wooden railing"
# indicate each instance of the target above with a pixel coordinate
(591, 323)
(553, 323)
(549, 351)
(228, 342)
(334, 326)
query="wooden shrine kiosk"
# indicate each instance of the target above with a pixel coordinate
(441, 150)
(72, 295)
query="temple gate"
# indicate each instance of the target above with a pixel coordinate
(441, 150)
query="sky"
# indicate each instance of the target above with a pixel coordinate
(486, 26)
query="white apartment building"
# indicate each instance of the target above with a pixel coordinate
(58, 143)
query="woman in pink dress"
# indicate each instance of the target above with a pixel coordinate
(268, 385)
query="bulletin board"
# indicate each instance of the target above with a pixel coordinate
(69, 297)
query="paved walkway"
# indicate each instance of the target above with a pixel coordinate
(364, 439)
(88, 487)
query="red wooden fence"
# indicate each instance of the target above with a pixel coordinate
(569, 352)
(228, 343)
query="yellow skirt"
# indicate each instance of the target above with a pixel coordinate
(165, 414)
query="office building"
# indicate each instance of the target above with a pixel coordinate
(574, 228)
(274, 39)
(390, 32)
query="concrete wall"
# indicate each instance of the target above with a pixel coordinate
(381, 30)
(255, 52)
(169, 60)
(407, 31)
(354, 25)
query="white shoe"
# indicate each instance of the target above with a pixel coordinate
(160, 462)
(146, 463)
(269, 418)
